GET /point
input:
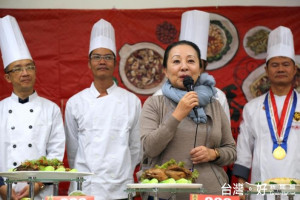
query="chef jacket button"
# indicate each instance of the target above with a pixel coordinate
(29, 145)
(15, 164)
(30, 126)
(12, 128)
(31, 110)
(14, 146)
(9, 111)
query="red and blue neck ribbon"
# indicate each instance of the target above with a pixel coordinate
(276, 126)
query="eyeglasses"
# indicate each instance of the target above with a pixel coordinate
(18, 69)
(97, 57)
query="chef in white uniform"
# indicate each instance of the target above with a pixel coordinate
(195, 28)
(102, 124)
(268, 143)
(30, 126)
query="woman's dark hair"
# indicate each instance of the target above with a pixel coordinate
(181, 42)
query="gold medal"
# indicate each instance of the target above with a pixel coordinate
(279, 153)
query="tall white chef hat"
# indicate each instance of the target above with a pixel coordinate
(12, 44)
(103, 36)
(195, 28)
(281, 43)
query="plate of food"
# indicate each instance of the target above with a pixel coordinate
(280, 184)
(43, 168)
(257, 82)
(44, 175)
(282, 180)
(255, 42)
(141, 67)
(223, 41)
(169, 174)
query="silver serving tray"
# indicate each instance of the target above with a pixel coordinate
(46, 175)
(272, 188)
(165, 185)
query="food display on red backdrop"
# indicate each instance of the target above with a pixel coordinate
(223, 41)
(255, 42)
(141, 67)
(218, 41)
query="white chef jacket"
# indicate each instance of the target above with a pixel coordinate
(29, 131)
(221, 97)
(103, 138)
(255, 145)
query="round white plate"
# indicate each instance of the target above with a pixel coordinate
(125, 52)
(250, 33)
(165, 185)
(23, 175)
(233, 46)
(252, 77)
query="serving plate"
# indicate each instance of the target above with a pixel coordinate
(270, 188)
(261, 39)
(233, 46)
(141, 68)
(165, 185)
(251, 79)
(47, 175)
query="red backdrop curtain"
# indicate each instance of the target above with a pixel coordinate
(59, 42)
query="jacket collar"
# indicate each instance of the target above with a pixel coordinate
(30, 98)
(95, 93)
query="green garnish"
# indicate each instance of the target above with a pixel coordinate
(166, 164)
(272, 182)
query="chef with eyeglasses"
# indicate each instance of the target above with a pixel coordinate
(102, 124)
(30, 126)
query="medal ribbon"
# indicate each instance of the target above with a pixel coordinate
(277, 126)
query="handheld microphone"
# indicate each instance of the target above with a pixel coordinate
(188, 83)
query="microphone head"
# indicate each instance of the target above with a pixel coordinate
(188, 81)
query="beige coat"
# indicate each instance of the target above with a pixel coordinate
(163, 138)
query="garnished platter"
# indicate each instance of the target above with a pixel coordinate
(256, 41)
(272, 188)
(45, 175)
(223, 41)
(141, 67)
